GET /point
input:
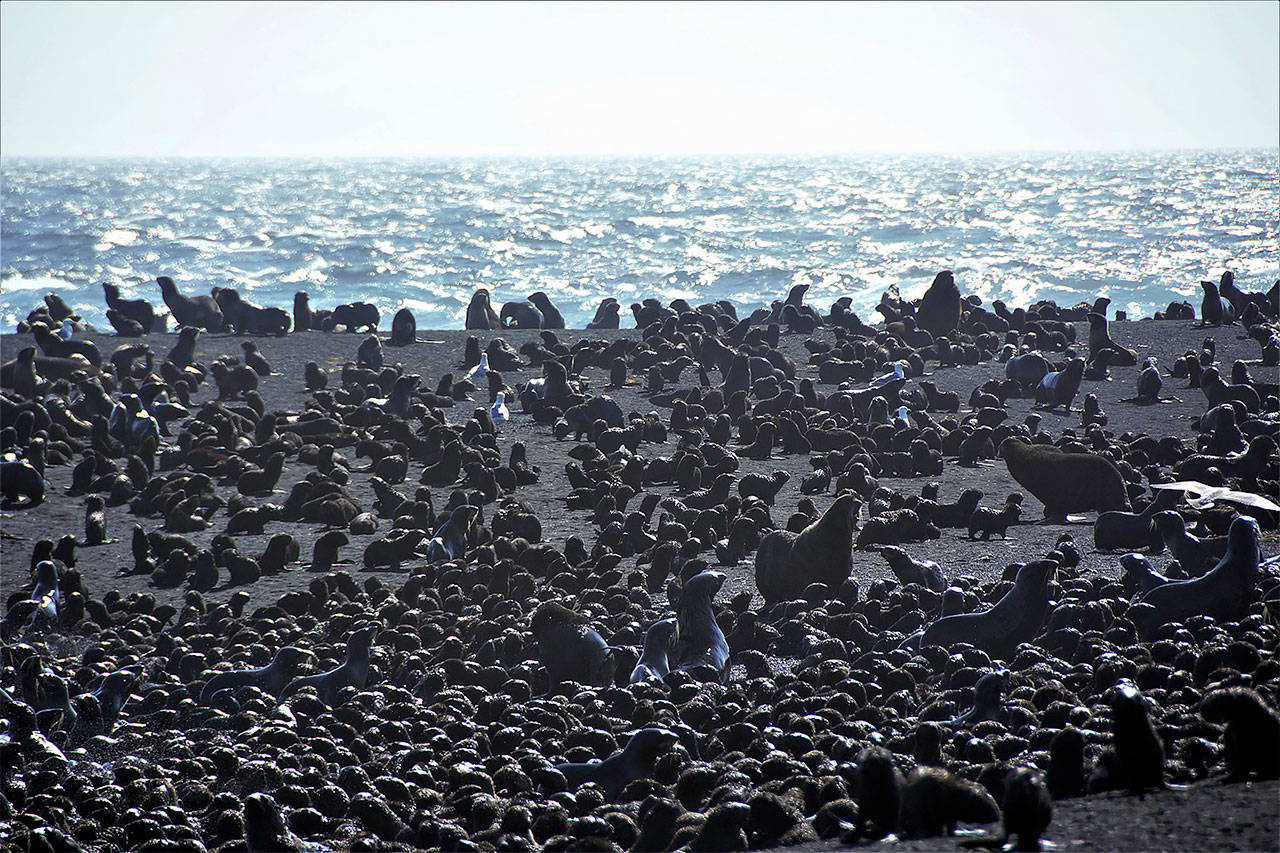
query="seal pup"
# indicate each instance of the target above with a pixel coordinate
(1138, 750)
(1026, 808)
(1191, 552)
(788, 562)
(404, 329)
(934, 802)
(701, 642)
(265, 828)
(270, 679)
(520, 315)
(988, 694)
(1224, 592)
(353, 672)
(369, 353)
(879, 793)
(939, 309)
(198, 311)
(1059, 387)
(1065, 482)
(95, 521)
(480, 314)
(659, 644)
(136, 310)
(909, 570)
(1015, 618)
(450, 540)
(1119, 530)
(551, 316)
(19, 479)
(569, 649)
(634, 761)
(1251, 733)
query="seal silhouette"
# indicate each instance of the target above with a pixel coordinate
(139, 311)
(270, 679)
(404, 328)
(520, 315)
(1015, 618)
(1065, 482)
(551, 317)
(480, 314)
(569, 649)
(1224, 592)
(352, 672)
(198, 311)
(788, 562)
(634, 761)
(939, 310)
(701, 642)
(659, 644)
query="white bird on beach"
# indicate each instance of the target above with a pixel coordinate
(899, 372)
(478, 373)
(498, 412)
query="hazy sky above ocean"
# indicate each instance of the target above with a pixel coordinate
(367, 79)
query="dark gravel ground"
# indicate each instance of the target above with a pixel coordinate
(1209, 816)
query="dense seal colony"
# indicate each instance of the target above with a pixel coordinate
(462, 683)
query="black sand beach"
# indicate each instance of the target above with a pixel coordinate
(1210, 815)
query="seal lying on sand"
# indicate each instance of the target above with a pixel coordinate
(520, 315)
(1015, 618)
(1224, 592)
(1065, 482)
(788, 562)
(199, 311)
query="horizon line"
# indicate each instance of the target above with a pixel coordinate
(569, 156)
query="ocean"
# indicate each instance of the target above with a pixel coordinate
(1142, 228)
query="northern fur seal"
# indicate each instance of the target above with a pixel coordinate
(480, 314)
(659, 645)
(635, 761)
(137, 310)
(909, 570)
(1224, 592)
(569, 648)
(1251, 737)
(520, 315)
(198, 311)
(270, 679)
(450, 539)
(1118, 530)
(354, 316)
(353, 672)
(701, 641)
(934, 802)
(1026, 369)
(1059, 387)
(939, 311)
(243, 317)
(606, 315)
(551, 317)
(1065, 482)
(404, 328)
(1015, 618)
(788, 562)
(19, 479)
(1100, 341)
(1215, 310)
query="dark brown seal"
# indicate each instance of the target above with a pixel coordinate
(1065, 482)
(1015, 618)
(788, 562)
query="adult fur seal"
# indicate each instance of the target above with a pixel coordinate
(1059, 387)
(354, 316)
(404, 328)
(606, 315)
(1127, 531)
(1224, 592)
(1215, 310)
(635, 761)
(551, 317)
(270, 679)
(480, 314)
(701, 642)
(19, 479)
(243, 317)
(569, 649)
(353, 672)
(520, 315)
(659, 645)
(137, 310)
(198, 311)
(1015, 618)
(788, 562)
(1100, 341)
(1065, 482)
(939, 311)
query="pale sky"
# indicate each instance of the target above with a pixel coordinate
(366, 79)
